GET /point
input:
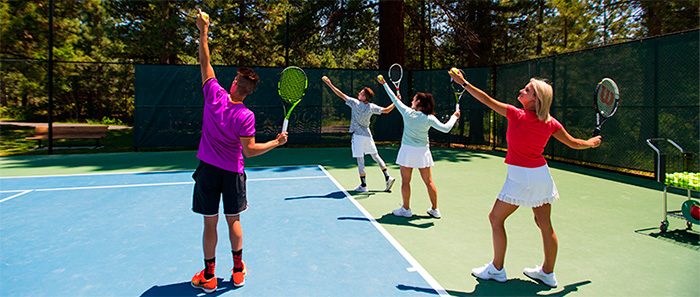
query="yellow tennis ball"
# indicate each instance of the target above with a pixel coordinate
(324, 77)
(380, 76)
(455, 71)
(205, 15)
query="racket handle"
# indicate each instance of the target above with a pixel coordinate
(596, 132)
(284, 125)
(457, 107)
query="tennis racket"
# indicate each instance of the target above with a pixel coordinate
(291, 87)
(606, 97)
(457, 88)
(395, 75)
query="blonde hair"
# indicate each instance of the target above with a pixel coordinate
(543, 96)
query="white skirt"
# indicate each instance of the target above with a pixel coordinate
(529, 187)
(414, 156)
(362, 145)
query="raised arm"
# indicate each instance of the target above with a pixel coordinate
(333, 88)
(205, 65)
(498, 106)
(446, 127)
(402, 108)
(575, 143)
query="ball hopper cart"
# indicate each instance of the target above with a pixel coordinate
(660, 172)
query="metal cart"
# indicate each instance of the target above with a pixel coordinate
(660, 171)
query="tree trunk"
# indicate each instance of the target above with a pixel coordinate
(391, 33)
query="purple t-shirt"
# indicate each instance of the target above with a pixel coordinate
(223, 125)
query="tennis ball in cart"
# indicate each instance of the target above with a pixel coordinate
(695, 212)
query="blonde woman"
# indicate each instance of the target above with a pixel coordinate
(528, 182)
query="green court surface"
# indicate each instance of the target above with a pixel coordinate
(606, 223)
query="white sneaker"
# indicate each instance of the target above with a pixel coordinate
(538, 275)
(435, 213)
(360, 188)
(389, 183)
(489, 272)
(402, 212)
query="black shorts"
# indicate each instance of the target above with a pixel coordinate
(212, 183)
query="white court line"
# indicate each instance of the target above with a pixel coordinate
(150, 185)
(415, 265)
(137, 172)
(16, 195)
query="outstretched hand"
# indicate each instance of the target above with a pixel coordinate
(326, 80)
(380, 79)
(202, 20)
(457, 76)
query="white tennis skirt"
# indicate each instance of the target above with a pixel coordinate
(362, 145)
(415, 156)
(529, 187)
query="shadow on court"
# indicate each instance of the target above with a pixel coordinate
(681, 237)
(513, 287)
(333, 195)
(391, 219)
(186, 289)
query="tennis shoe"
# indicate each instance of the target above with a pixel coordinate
(207, 285)
(238, 278)
(435, 213)
(389, 183)
(360, 188)
(489, 272)
(538, 275)
(402, 212)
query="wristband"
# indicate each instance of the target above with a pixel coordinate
(464, 85)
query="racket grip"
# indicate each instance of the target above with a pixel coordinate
(596, 132)
(284, 125)
(457, 107)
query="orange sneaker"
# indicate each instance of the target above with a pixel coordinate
(207, 285)
(238, 278)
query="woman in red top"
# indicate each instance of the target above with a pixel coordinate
(528, 182)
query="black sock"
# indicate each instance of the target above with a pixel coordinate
(209, 268)
(237, 263)
(362, 179)
(386, 174)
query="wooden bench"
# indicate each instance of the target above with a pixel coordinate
(70, 132)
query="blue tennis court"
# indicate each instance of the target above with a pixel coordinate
(135, 235)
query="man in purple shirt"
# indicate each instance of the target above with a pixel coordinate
(228, 133)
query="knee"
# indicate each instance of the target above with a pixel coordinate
(544, 224)
(495, 220)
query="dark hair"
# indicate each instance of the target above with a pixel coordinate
(368, 93)
(426, 103)
(247, 79)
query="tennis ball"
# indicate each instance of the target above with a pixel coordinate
(454, 71)
(205, 16)
(324, 77)
(380, 76)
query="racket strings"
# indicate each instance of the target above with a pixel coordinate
(292, 86)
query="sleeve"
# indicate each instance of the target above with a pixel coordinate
(511, 111)
(212, 89)
(555, 125)
(375, 109)
(402, 108)
(444, 128)
(352, 102)
(248, 126)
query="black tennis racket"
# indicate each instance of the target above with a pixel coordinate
(395, 75)
(457, 88)
(291, 87)
(606, 97)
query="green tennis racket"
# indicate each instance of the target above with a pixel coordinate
(291, 88)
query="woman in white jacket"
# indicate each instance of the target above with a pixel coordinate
(415, 146)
